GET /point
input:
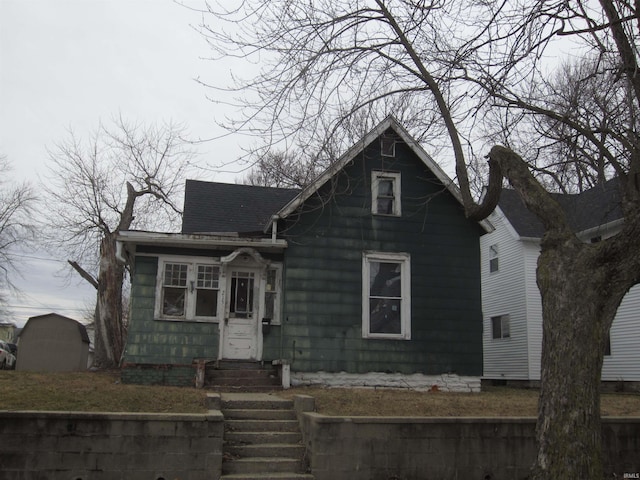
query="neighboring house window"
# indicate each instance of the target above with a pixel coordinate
(493, 258)
(187, 290)
(388, 146)
(500, 326)
(386, 302)
(385, 193)
(272, 292)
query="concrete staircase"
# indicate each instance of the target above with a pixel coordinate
(241, 376)
(262, 439)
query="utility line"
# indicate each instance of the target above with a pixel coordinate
(25, 307)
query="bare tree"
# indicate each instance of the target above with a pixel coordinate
(316, 149)
(125, 176)
(279, 169)
(459, 64)
(17, 202)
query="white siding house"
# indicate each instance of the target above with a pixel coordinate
(512, 308)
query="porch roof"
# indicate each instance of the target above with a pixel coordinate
(129, 239)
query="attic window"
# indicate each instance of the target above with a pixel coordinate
(385, 193)
(388, 146)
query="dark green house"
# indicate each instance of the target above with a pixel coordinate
(369, 276)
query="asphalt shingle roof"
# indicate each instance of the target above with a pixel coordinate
(594, 207)
(211, 207)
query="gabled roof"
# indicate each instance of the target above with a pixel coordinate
(211, 207)
(220, 207)
(388, 123)
(593, 208)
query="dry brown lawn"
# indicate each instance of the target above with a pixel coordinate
(495, 401)
(103, 392)
(92, 392)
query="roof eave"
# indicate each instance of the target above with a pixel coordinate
(197, 241)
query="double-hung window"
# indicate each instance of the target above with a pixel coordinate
(386, 299)
(385, 193)
(188, 290)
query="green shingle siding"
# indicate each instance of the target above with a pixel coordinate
(323, 279)
(160, 342)
(322, 295)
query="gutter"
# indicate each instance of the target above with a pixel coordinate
(194, 241)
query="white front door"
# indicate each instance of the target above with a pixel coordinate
(241, 321)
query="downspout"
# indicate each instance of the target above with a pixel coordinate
(120, 252)
(274, 228)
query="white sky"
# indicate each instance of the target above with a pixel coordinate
(71, 63)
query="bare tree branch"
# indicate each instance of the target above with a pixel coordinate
(474, 72)
(123, 176)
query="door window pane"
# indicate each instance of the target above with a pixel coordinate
(241, 304)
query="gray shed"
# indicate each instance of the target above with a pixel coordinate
(53, 343)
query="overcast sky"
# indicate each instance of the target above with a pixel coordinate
(72, 63)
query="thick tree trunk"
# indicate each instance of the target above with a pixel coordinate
(577, 315)
(581, 285)
(110, 332)
(568, 429)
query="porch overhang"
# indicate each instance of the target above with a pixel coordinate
(127, 241)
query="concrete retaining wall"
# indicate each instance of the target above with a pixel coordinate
(374, 448)
(104, 446)
(92, 446)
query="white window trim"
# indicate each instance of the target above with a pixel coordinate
(190, 307)
(376, 176)
(405, 311)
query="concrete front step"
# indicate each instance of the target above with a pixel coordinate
(262, 465)
(248, 425)
(258, 414)
(268, 476)
(239, 365)
(262, 438)
(240, 373)
(259, 438)
(231, 401)
(268, 450)
(244, 376)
